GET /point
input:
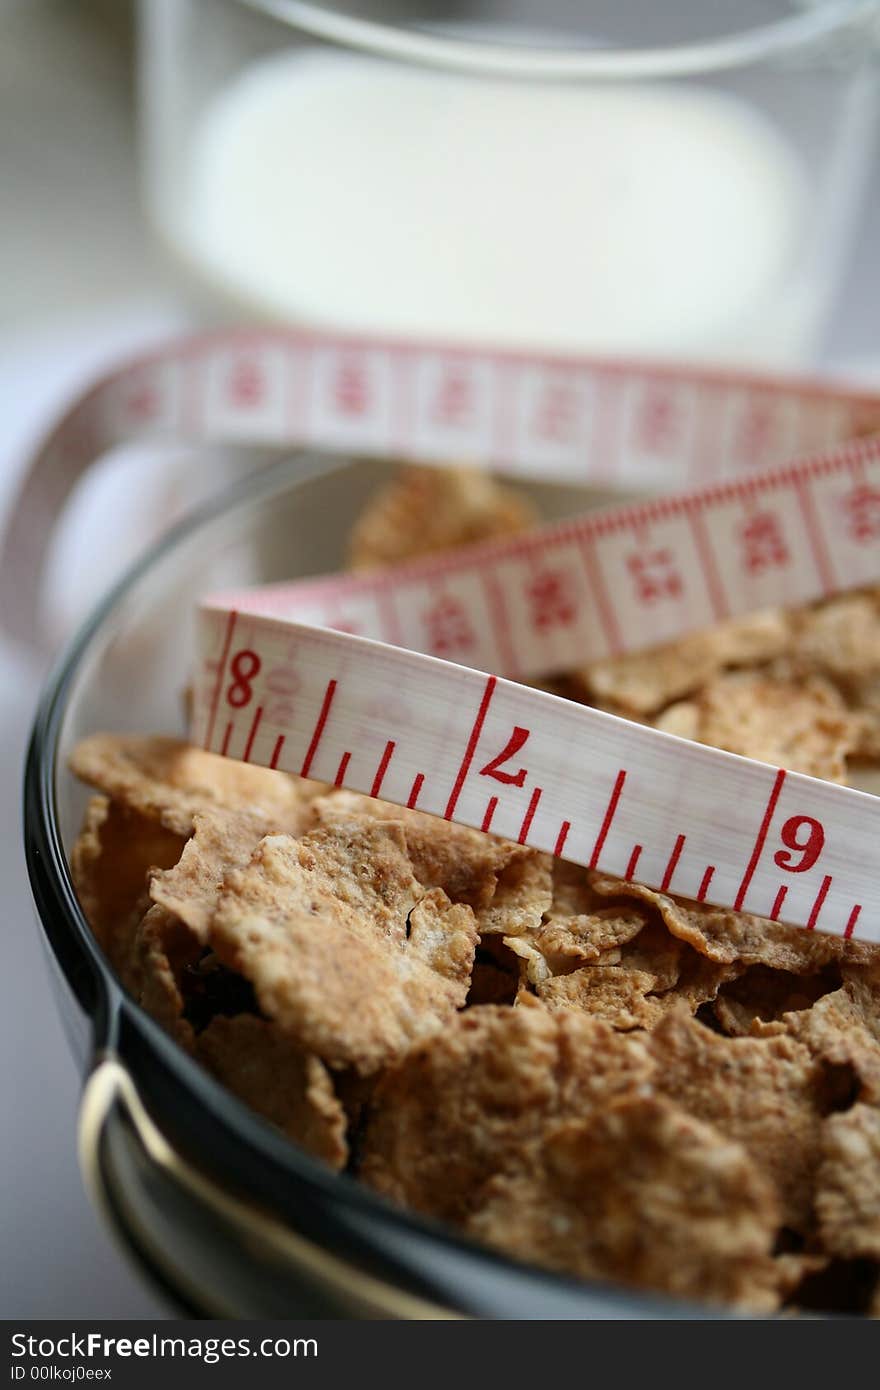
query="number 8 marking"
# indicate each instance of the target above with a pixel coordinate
(239, 693)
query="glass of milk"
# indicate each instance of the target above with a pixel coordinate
(626, 177)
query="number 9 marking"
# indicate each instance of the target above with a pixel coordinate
(804, 835)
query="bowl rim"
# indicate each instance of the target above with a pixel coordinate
(118, 1019)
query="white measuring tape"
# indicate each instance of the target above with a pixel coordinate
(329, 678)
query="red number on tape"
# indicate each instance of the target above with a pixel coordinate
(863, 514)
(756, 434)
(351, 389)
(551, 599)
(453, 403)
(281, 680)
(658, 423)
(556, 415)
(448, 627)
(764, 543)
(510, 749)
(239, 693)
(655, 575)
(809, 847)
(246, 384)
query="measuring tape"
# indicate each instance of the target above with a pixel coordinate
(335, 679)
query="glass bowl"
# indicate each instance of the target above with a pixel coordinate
(230, 1218)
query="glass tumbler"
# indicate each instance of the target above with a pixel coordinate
(607, 176)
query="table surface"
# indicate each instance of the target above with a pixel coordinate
(86, 284)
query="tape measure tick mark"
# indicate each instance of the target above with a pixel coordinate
(561, 838)
(759, 841)
(672, 863)
(704, 883)
(609, 817)
(529, 815)
(473, 740)
(382, 768)
(851, 924)
(634, 858)
(817, 905)
(224, 657)
(319, 729)
(255, 724)
(276, 751)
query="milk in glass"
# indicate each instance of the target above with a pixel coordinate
(341, 191)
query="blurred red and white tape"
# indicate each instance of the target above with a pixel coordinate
(342, 679)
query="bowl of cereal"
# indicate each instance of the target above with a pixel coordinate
(346, 1059)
